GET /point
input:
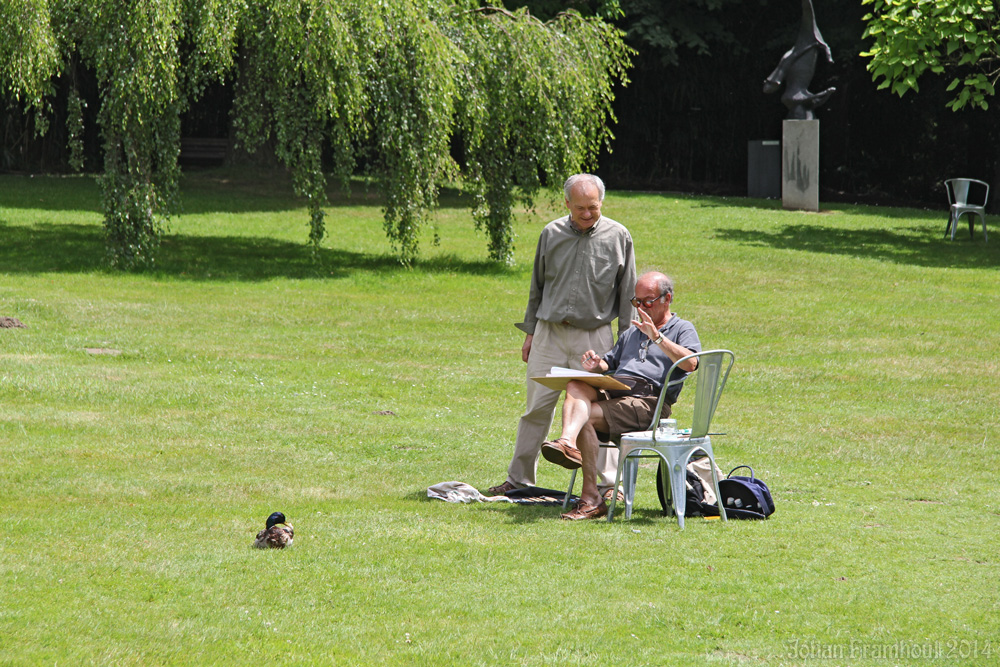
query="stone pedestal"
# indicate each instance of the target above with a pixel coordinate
(800, 164)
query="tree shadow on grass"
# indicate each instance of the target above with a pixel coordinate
(882, 211)
(223, 195)
(74, 248)
(915, 245)
(223, 190)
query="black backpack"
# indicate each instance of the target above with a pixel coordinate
(697, 504)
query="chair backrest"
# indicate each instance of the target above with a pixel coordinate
(966, 191)
(712, 373)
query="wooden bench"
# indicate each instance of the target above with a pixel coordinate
(199, 150)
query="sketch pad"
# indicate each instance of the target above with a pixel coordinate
(558, 377)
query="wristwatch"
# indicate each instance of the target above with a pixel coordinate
(658, 340)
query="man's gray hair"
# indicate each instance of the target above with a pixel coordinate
(665, 285)
(588, 178)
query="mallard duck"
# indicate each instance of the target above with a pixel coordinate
(276, 534)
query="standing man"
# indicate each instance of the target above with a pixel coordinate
(583, 279)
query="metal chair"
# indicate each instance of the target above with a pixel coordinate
(674, 449)
(961, 202)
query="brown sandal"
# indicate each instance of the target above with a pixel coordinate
(560, 452)
(620, 495)
(585, 510)
(501, 489)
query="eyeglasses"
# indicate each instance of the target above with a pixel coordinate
(646, 303)
(643, 349)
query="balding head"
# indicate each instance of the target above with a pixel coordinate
(660, 282)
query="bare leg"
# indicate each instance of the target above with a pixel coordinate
(589, 447)
(580, 396)
(582, 416)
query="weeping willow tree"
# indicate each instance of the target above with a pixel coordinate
(536, 106)
(396, 80)
(29, 54)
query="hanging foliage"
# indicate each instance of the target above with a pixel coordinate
(151, 59)
(396, 80)
(300, 79)
(133, 50)
(535, 107)
(409, 79)
(29, 53)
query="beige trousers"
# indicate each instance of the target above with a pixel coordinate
(555, 345)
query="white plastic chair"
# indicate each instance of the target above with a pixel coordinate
(674, 449)
(961, 203)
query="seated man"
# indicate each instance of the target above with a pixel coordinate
(641, 358)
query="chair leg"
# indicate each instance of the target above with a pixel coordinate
(678, 474)
(618, 480)
(631, 469)
(678, 471)
(718, 494)
(628, 468)
(663, 470)
(569, 491)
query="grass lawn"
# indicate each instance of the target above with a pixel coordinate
(150, 423)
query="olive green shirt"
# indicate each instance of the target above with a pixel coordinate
(583, 279)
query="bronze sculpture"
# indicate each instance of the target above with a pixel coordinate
(796, 69)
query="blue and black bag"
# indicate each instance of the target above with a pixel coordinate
(745, 497)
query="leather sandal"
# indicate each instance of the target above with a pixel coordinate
(620, 495)
(585, 510)
(560, 452)
(501, 489)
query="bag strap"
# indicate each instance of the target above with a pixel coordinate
(737, 468)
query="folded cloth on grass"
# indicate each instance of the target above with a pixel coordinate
(459, 492)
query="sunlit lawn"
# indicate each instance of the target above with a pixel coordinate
(149, 423)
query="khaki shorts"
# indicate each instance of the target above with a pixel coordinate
(629, 413)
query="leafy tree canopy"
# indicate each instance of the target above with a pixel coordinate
(547, 9)
(913, 37)
(394, 81)
(660, 29)
(666, 27)
(28, 49)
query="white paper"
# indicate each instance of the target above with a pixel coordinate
(559, 371)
